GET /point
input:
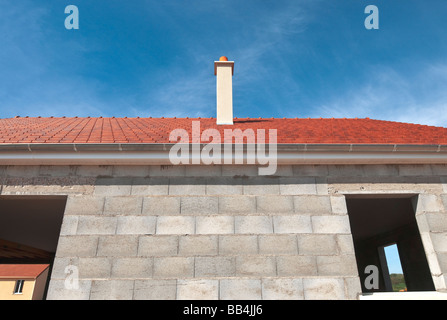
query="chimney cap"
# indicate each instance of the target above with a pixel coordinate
(223, 58)
(223, 61)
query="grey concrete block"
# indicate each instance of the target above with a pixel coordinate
(439, 169)
(345, 244)
(187, 186)
(310, 170)
(113, 186)
(118, 246)
(132, 268)
(338, 205)
(167, 171)
(57, 171)
(84, 205)
(199, 205)
(238, 244)
(437, 222)
(239, 170)
(94, 268)
(69, 225)
(173, 267)
(317, 244)
(130, 171)
(330, 224)
(439, 241)
(77, 246)
(374, 170)
(58, 290)
(155, 289)
(278, 244)
(157, 246)
(298, 186)
(340, 265)
(91, 225)
(353, 289)
(296, 266)
(253, 224)
(215, 224)
(345, 170)
(312, 204)
(284, 171)
(175, 225)
(161, 205)
(215, 266)
(224, 186)
(203, 171)
(123, 205)
(415, 170)
(200, 289)
(22, 171)
(112, 290)
(292, 224)
(282, 289)
(274, 204)
(198, 245)
(429, 203)
(237, 204)
(240, 289)
(323, 289)
(154, 186)
(136, 225)
(255, 266)
(94, 171)
(257, 186)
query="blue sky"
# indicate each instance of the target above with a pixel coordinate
(297, 58)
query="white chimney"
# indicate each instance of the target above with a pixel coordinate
(224, 69)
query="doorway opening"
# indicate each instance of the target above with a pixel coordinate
(386, 236)
(29, 230)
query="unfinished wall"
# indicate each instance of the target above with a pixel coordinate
(220, 232)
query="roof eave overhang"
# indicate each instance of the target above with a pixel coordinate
(158, 154)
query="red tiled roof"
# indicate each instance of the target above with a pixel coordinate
(157, 130)
(21, 271)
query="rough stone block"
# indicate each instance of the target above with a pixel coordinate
(340, 265)
(296, 266)
(112, 290)
(330, 224)
(198, 289)
(238, 244)
(136, 225)
(253, 224)
(96, 225)
(157, 246)
(198, 245)
(240, 289)
(132, 268)
(175, 225)
(199, 205)
(94, 268)
(282, 289)
(278, 244)
(323, 289)
(274, 204)
(123, 205)
(77, 246)
(292, 224)
(118, 246)
(237, 204)
(215, 266)
(173, 267)
(262, 266)
(161, 205)
(312, 204)
(317, 244)
(84, 205)
(214, 224)
(155, 289)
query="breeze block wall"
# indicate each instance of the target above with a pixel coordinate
(220, 232)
